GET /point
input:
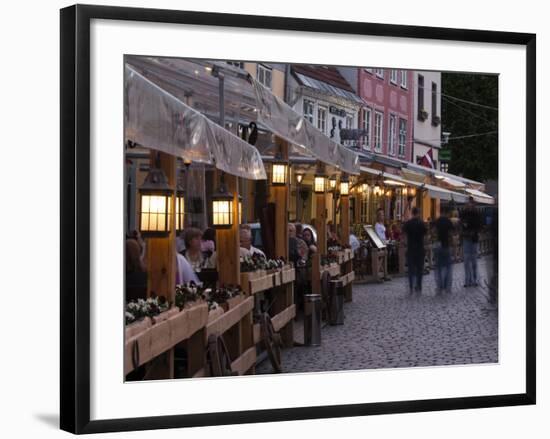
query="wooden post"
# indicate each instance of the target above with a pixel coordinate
(283, 294)
(161, 263)
(321, 226)
(227, 241)
(344, 218)
(344, 222)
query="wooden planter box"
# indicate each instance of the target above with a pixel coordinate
(255, 281)
(138, 336)
(225, 321)
(160, 338)
(288, 275)
(184, 324)
(214, 314)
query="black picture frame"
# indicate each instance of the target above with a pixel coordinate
(75, 217)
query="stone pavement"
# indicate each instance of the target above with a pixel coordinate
(385, 328)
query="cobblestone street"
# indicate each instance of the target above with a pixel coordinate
(385, 328)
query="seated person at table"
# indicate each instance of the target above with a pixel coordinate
(184, 271)
(208, 242)
(193, 252)
(395, 233)
(247, 249)
(332, 238)
(307, 236)
(136, 271)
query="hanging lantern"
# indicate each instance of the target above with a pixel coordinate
(389, 193)
(180, 208)
(377, 190)
(344, 186)
(405, 191)
(299, 177)
(365, 188)
(332, 182)
(278, 174)
(319, 184)
(412, 192)
(155, 214)
(222, 208)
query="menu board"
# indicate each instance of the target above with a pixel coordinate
(374, 238)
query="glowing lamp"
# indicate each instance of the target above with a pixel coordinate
(319, 184)
(278, 174)
(344, 187)
(332, 182)
(155, 207)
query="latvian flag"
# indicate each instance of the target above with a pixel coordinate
(428, 159)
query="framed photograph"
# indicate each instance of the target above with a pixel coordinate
(218, 173)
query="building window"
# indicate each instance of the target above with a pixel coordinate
(379, 73)
(264, 75)
(444, 166)
(322, 119)
(393, 76)
(378, 122)
(308, 110)
(420, 99)
(368, 69)
(435, 120)
(404, 78)
(238, 64)
(402, 136)
(349, 121)
(367, 127)
(392, 137)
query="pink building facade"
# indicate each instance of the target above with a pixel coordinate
(387, 117)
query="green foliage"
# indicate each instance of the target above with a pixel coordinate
(472, 157)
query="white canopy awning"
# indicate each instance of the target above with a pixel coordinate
(292, 126)
(156, 119)
(445, 194)
(481, 197)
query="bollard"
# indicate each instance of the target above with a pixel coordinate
(336, 302)
(312, 319)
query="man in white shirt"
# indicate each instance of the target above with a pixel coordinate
(379, 227)
(247, 249)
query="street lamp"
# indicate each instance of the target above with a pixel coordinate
(222, 207)
(155, 213)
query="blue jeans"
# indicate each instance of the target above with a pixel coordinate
(443, 268)
(470, 262)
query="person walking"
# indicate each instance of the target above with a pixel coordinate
(471, 224)
(415, 230)
(443, 267)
